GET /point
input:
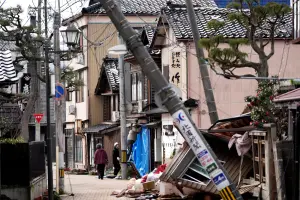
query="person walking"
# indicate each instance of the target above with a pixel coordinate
(116, 159)
(100, 160)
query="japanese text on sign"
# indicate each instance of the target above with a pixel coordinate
(176, 60)
(182, 122)
(175, 67)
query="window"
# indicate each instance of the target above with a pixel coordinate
(137, 86)
(106, 108)
(140, 87)
(78, 149)
(134, 87)
(69, 96)
(69, 132)
(81, 41)
(80, 92)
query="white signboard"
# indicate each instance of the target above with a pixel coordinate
(175, 69)
(206, 160)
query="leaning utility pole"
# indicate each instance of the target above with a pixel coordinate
(171, 101)
(58, 108)
(48, 90)
(209, 94)
(122, 110)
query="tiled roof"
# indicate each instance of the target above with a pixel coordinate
(8, 45)
(149, 7)
(110, 65)
(177, 18)
(239, 123)
(149, 30)
(293, 95)
(7, 69)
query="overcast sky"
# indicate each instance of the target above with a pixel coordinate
(70, 8)
(52, 3)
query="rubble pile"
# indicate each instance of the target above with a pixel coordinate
(150, 187)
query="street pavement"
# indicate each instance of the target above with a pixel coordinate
(86, 187)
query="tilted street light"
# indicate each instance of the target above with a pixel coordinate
(121, 50)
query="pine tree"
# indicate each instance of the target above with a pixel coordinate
(260, 24)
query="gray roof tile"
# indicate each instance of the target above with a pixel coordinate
(7, 69)
(177, 18)
(149, 7)
(110, 65)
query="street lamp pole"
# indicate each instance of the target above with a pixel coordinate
(120, 50)
(122, 109)
(58, 110)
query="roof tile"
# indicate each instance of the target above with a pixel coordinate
(177, 18)
(152, 7)
(112, 72)
(7, 69)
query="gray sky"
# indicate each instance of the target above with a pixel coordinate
(73, 7)
(52, 3)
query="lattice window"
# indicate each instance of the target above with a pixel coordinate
(258, 155)
(106, 108)
(69, 132)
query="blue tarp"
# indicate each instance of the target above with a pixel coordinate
(141, 151)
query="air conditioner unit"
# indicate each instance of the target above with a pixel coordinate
(72, 110)
(115, 116)
(141, 105)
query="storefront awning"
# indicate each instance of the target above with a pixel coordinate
(100, 128)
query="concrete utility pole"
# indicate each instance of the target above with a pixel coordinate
(37, 103)
(58, 109)
(209, 94)
(123, 115)
(171, 101)
(48, 90)
(122, 110)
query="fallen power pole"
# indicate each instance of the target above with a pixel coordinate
(171, 101)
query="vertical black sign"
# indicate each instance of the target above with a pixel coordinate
(25, 83)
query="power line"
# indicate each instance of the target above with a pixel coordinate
(2, 3)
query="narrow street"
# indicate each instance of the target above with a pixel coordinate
(86, 187)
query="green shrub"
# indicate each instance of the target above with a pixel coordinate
(12, 140)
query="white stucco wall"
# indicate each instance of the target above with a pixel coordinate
(82, 107)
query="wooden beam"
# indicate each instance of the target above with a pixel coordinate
(296, 41)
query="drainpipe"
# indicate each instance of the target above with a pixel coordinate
(296, 154)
